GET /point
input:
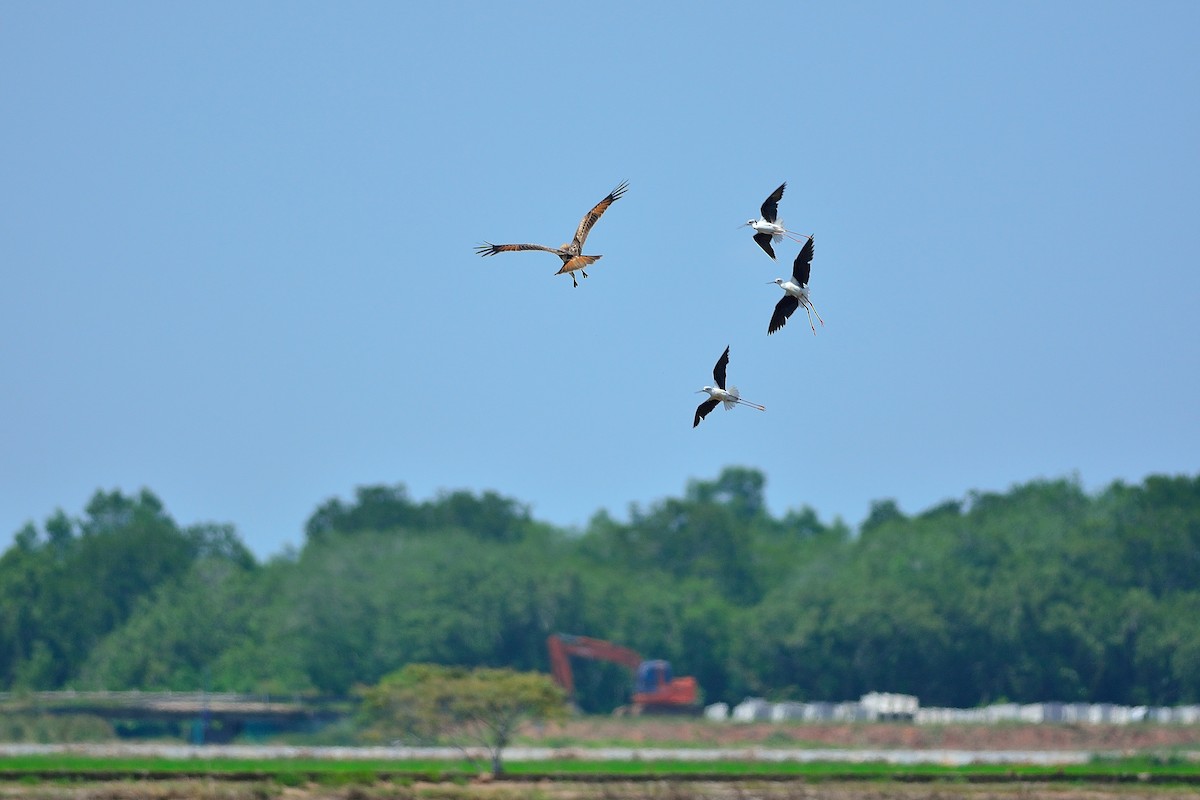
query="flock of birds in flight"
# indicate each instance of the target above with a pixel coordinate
(768, 229)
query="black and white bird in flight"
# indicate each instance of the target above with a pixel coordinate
(795, 292)
(719, 394)
(769, 228)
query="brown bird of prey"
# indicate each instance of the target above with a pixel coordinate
(571, 253)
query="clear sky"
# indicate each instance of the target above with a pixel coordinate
(236, 243)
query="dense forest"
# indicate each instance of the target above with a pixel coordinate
(1045, 592)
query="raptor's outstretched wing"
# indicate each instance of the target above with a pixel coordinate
(489, 249)
(590, 218)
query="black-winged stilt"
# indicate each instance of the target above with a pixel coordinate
(795, 291)
(718, 394)
(769, 228)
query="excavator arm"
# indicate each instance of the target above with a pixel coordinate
(654, 688)
(564, 645)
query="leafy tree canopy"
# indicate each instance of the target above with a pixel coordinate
(429, 703)
(388, 508)
(1042, 592)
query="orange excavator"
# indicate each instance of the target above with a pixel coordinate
(655, 690)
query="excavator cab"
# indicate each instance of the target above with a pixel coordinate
(652, 676)
(657, 691)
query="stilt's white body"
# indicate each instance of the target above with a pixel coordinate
(773, 229)
(728, 397)
(795, 290)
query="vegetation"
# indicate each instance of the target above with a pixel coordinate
(1042, 592)
(334, 771)
(431, 704)
(53, 728)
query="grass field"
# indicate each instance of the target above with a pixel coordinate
(1165, 767)
(69, 767)
(71, 777)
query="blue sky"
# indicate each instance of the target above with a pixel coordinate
(236, 247)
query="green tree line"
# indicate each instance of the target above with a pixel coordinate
(1044, 592)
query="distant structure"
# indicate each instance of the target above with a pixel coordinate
(884, 706)
(717, 712)
(207, 717)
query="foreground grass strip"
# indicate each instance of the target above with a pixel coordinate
(332, 772)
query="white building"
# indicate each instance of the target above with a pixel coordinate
(752, 709)
(886, 705)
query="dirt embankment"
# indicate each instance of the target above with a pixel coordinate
(201, 790)
(675, 732)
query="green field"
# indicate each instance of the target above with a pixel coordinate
(328, 771)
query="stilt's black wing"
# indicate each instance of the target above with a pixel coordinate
(783, 309)
(764, 241)
(719, 369)
(703, 409)
(802, 266)
(770, 206)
